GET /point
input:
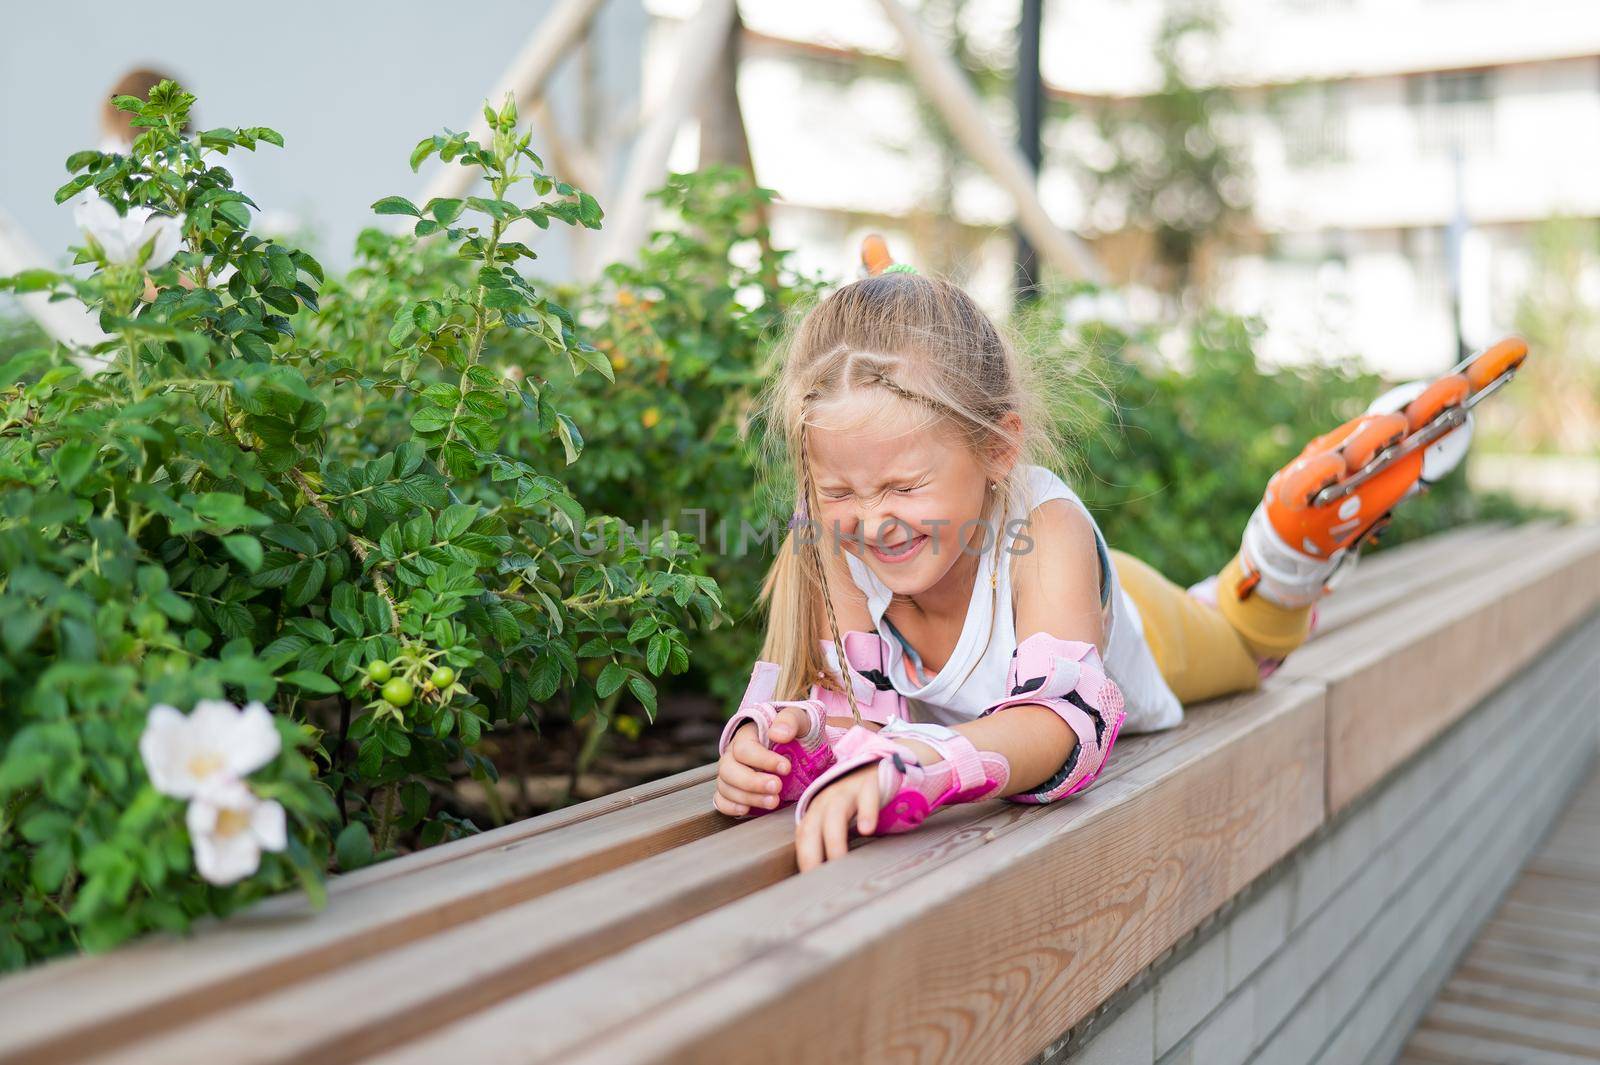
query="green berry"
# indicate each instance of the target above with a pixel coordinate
(443, 677)
(398, 692)
(379, 672)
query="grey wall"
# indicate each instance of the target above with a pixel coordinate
(351, 85)
(1334, 954)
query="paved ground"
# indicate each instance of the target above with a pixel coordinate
(1528, 989)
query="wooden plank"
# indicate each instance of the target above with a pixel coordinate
(1393, 687)
(509, 951)
(1507, 975)
(1409, 570)
(1531, 978)
(1541, 1033)
(1064, 905)
(85, 1005)
(517, 831)
(1472, 1047)
(1523, 1003)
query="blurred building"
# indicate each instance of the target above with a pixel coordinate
(1389, 140)
(352, 88)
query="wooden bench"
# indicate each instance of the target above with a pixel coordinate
(644, 926)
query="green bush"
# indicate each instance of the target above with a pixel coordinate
(264, 498)
(1173, 460)
(689, 329)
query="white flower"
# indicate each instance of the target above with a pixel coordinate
(123, 239)
(229, 828)
(214, 746)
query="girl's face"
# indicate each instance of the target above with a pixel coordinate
(905, 497)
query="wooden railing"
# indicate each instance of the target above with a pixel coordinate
(645, 927)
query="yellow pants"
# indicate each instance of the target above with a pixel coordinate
(1205, 651)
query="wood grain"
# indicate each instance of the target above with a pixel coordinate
(85, 1005)
(473, 965)
(1392, 687)
(1528, 988)
(1033, 918)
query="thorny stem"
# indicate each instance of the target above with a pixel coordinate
(386, 798)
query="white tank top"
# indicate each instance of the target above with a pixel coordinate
(974, 678)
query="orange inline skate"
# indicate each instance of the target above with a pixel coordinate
(1338, 493)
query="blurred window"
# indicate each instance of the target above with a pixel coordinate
(1425, 250)
(1313, 122)
(1453, 110)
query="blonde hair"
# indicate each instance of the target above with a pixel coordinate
(922, 341)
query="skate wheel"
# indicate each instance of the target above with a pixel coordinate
(1330, 440)
(1374, 433)
(1303, 481)
(1496, 361)
(1443, 394)
(875, 255)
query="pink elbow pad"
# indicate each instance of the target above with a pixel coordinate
(868, 656)
(1068, 677)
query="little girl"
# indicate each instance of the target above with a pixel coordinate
(993, 645)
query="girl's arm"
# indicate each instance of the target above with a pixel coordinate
(1057, 591)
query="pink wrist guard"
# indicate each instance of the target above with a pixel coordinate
(868, 656)
(1068, 677)
(910, 792)
(809, 754)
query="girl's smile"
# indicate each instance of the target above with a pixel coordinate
(901, 552)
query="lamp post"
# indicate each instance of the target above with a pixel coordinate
(1030, 107)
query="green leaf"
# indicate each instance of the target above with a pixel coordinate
(445, 210)
(645, 692)
(454, 520)
(430, 419)
(396, 205)
(404, 326)
(611, 679)
(589, 212)
(657, 652)
(226, 510)
(306, 582)
(234, 213)
(34, 281)
(595, 359)
(499, 209)
(46, 825)
(571, 439)
(354, 846)
(73, 187)
(311, 682)
(73, 460)
(247, 549)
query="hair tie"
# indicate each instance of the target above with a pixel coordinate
(900, 268)
(801, 515)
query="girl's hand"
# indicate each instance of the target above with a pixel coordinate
(745, 773)
(824, 834)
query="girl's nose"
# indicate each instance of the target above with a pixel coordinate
(882, 528)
